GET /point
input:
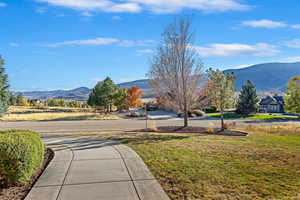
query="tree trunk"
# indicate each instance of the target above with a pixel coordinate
(222, 120)
(186, 115)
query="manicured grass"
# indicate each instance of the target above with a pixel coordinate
(272, 117)
(34, 114)
(263, 165)
(232, 115)
(260, 166)
(227, 115)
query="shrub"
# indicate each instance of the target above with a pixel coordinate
(21, 154)
(211, 109)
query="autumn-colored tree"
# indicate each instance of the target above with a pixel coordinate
(134, 97)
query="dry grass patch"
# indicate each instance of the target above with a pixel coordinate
(16, 113)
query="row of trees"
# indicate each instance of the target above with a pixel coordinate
(176, 73)
(20, 100)
(106, 94)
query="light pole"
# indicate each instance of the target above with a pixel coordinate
(146, 115)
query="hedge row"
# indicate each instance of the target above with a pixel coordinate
(21, 154)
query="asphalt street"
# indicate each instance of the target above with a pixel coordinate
(117, 125)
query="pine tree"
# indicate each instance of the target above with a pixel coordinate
(103, 94)
(247, 102)
(4, 93)
(120, 99)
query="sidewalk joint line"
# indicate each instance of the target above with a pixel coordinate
(123, 159)
(66, 172)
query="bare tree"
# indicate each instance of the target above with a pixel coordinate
(176, 68)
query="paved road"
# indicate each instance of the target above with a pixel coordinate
(114, 125)
(94, 169)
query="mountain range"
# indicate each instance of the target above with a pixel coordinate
(81, 93)
(267, 77)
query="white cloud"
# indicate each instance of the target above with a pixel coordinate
(144, 51)
(264, 23)
(102, 42)
(293, 43)
(157, 6)
(295, 26)
(2, 4)
(292, 59)
(235, 49)
(89, 42)
(13, 44)
(94, 5)
(131, 43)
(169, 6)
(241, 66)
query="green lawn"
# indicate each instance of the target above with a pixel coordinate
(232, 115)
(258, 166)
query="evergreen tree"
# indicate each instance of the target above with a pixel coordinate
(120, 99)
(292, 99)
(103, 94)
(4, 93)
(20, 100)
(12, 100)
(247, 102)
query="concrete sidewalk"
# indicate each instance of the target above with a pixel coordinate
(94, 169)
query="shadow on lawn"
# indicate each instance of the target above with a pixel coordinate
(151, 139)
(78, 144)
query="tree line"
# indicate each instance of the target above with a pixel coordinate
(20, 100)
(176, 73)
(107, 94)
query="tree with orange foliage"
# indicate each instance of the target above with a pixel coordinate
(134, 97)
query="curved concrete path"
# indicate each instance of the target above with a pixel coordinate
(94, 169)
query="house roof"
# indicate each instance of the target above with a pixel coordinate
(275, 100)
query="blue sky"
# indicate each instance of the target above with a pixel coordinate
(64, 44)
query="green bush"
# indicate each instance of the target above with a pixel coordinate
(211, 109)
(21, 154)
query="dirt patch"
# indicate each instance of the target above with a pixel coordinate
(19, 192)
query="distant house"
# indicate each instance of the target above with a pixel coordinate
(271, 104)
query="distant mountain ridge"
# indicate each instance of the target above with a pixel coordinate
(266, 77)
(81, 93)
